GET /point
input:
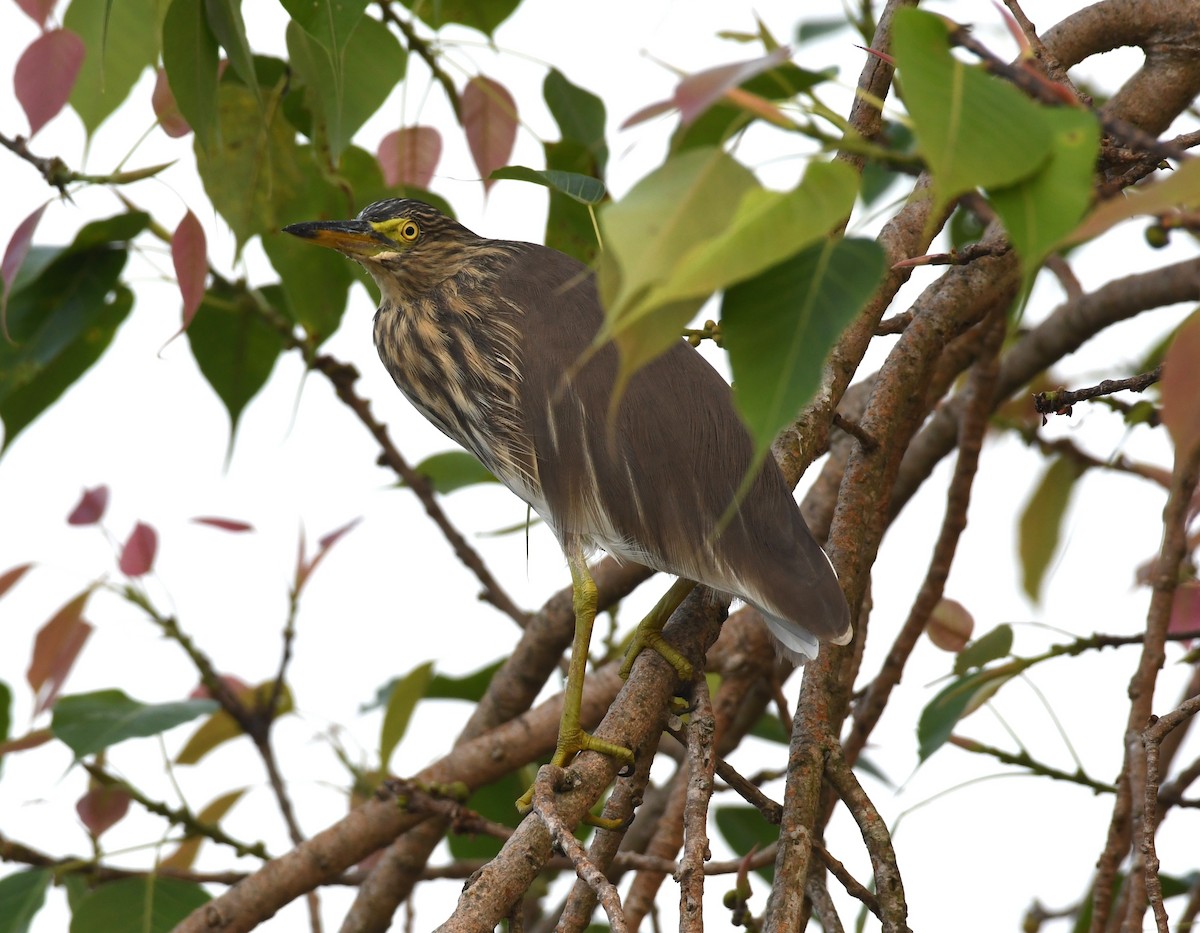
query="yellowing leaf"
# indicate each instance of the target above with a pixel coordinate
(689, 200)
(1041, 522)
(1180, 189)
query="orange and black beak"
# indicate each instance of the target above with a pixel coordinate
(354, 238)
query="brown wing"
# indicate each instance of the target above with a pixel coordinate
(654, 488)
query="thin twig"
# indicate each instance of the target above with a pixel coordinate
(701, 758)
(544, 789)
(177, 816)
(1059, 402)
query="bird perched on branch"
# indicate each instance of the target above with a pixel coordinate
(492, 341)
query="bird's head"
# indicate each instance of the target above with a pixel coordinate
(407, 245)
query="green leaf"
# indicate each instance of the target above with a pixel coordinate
(779, 326)
(62, 321)
(953, 702)
(233, 346)
(1043, 208)
(5, 714)
(329, 22)
(583, 188)
(406, 692)
(582, 149)
(122, 41)
(453, 469)
(744, 828)
(579, 114)
(993, 646)
(470, 687)
(770, 728)
(484, 17)
(90, 722)
(973, 130)
(253, 169)
(191, 57)
(147, 905)
(689, 200)
(878, 177)
(21, 897)
(346, 88)
(225, 19)
(1041, 522)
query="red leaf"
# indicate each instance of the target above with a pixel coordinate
(137, 555)
(1181, 386)
(225, 524)
(9, 578)
(90, 508)
(165, 108)
(1185, 610)
(238, 687)
(489, 117)
(189, 252)
(28, 740)
(408, 156)
(304, 568)
(14, 256)
(102, 807)
(45, 75)
(55, 650)
(37, 10)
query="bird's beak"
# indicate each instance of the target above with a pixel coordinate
(355, 238)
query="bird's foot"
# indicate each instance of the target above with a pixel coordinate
(572, 741)
(648, 637)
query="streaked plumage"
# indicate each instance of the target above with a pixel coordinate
(480, 335)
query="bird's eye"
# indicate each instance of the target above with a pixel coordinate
(409, 231)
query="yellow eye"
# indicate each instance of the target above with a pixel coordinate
(409, 231)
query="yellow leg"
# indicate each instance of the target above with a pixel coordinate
(649, 632)
(571, 737)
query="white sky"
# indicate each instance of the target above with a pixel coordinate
(391, 595)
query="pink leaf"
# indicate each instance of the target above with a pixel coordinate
(45, 75)
(102, 807)
(165, 108)
(489, 117)
(9, 578)
(137, 554)
(409, 156)
(1181, 387)
(647, 112)
(225, 524)
(696, 93)
(189, 252)
(14, 256)
(37, 10)
(90, 508)
(55, 650)
(304, 568)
